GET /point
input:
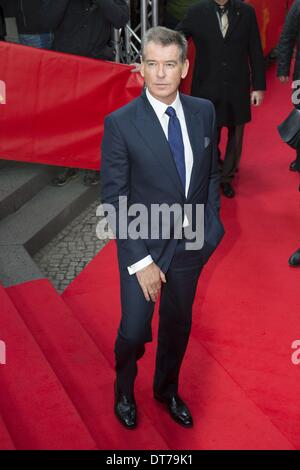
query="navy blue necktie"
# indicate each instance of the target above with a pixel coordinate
(176, 143)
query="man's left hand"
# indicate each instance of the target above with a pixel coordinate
(257, 98)
(137, 67)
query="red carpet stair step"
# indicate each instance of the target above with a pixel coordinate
(35, 407)
(6, 442)
(225, 418)
(79, 366)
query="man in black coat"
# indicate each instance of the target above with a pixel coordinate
(229, 69)
(86, 30)
(288, 40)
(36, 20)
(87, 25)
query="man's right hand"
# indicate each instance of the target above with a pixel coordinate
(283, 79)
(150, 279)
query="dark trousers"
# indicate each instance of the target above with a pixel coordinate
(298, 160)
(233, 151)
(175, 319)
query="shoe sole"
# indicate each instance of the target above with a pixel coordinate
(293, 170)
(66, 182)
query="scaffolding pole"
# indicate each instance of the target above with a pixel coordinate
(128, 51)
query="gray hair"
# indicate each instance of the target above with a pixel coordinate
(165, 37)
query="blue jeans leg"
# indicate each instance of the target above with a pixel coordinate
(41, 41)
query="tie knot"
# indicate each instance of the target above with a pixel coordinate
(170, 111)
(221, 10)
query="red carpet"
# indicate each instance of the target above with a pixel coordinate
(79, 366)
(37, 411)
(6, 442)
(237, 376)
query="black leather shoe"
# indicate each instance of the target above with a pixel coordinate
(91, 178)
(294, 166)
(295, 259)
(125, 409)
(227, 190)
(177, 409)
(65, 176)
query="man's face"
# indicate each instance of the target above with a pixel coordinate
(163, 70)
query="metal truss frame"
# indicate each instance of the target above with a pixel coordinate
(127, 41)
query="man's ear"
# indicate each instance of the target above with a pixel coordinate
(185, 68)
(142, 69)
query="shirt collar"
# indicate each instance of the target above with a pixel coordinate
(226, 6)
(160, 107)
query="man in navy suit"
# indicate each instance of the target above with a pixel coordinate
(160, 149)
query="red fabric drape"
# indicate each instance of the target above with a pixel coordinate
(56, 104)
(270, 16)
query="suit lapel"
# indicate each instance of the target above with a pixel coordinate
(151, 132)
(212, 20)
(195, 130)
(234, 19)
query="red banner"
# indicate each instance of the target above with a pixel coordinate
(270, 15)
(52, 106)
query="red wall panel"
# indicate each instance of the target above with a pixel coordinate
(270, 16)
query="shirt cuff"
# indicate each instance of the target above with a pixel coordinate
(185, 221)
(143, 263)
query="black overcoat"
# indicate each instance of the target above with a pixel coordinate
(290, 37)
(226, 69)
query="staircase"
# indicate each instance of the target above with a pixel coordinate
(56, 386)
(57, 383)
(32, 212)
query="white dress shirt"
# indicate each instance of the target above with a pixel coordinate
(160, 111)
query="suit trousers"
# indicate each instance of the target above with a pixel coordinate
(233, 151)
(175, 319)
(298, 159)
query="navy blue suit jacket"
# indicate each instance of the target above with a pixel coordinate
(137, 163)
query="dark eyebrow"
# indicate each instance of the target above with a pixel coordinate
(166, 61)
